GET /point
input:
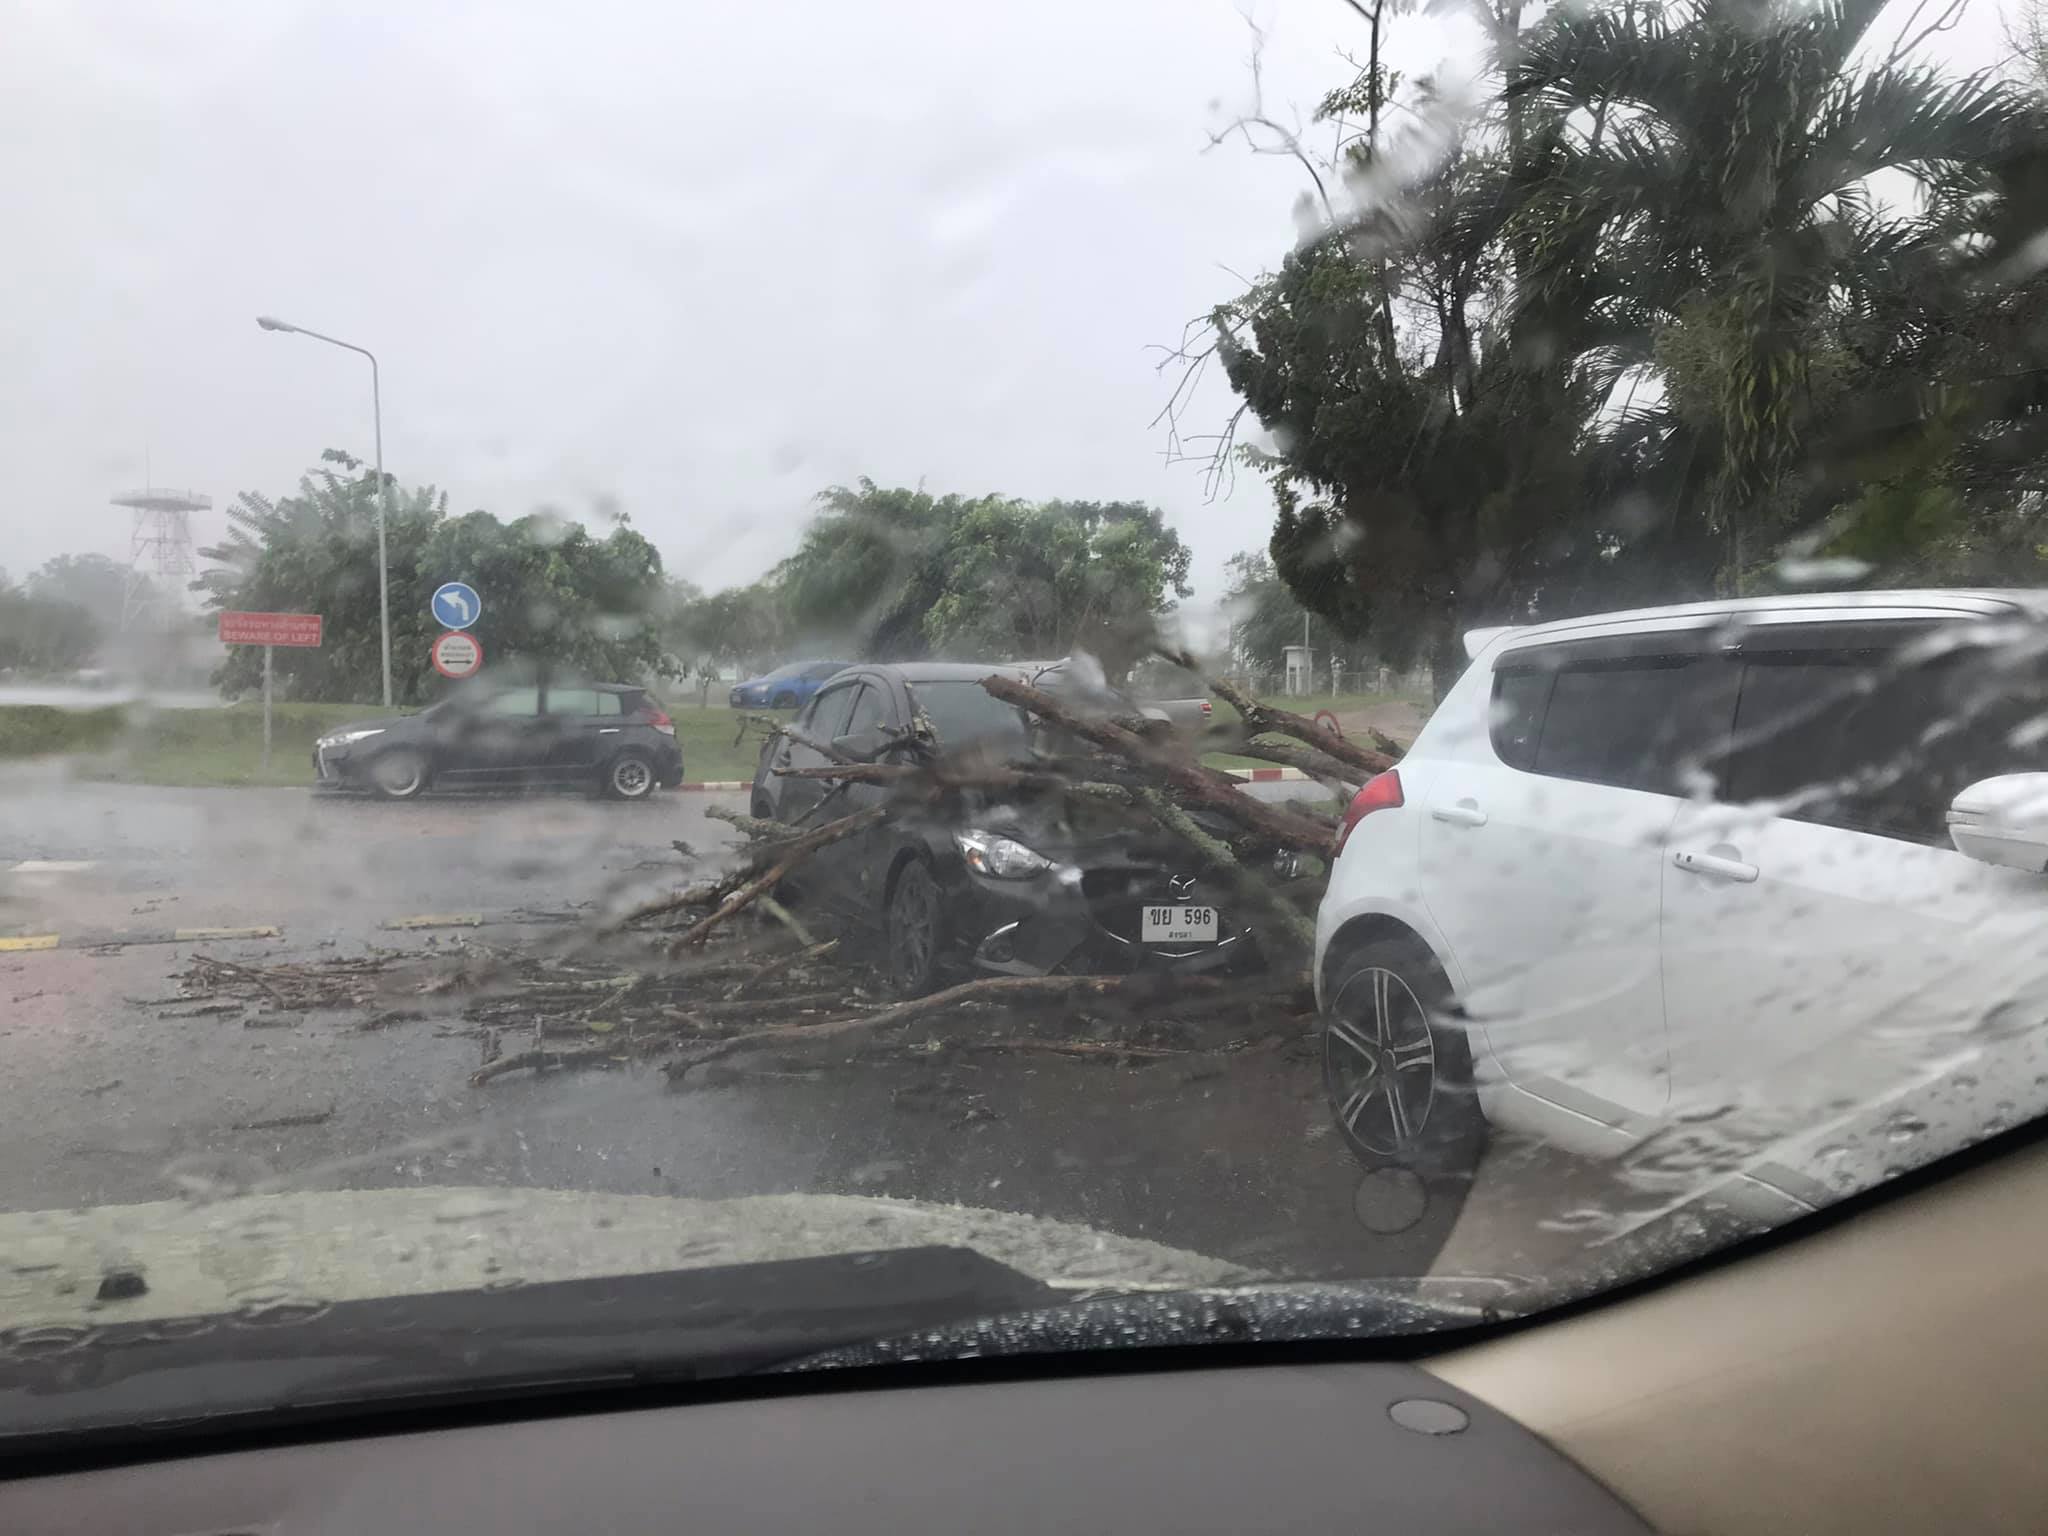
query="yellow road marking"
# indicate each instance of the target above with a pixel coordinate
(28, 941)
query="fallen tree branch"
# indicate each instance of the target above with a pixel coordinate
(752, 826)
(1208, 787)
(1316, 764)
(520, 1061)
(987, 989)
(791, 855)
(1260, 719)
(779, 963)
(1298, 927)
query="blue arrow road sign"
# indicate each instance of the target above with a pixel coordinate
(456, 605)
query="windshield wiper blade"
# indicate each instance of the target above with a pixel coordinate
(102, 1386)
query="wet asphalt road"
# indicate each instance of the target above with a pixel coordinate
(110, 1101)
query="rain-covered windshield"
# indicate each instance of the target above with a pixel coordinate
(1477, 574)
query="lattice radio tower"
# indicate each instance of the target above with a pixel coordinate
(159, 548)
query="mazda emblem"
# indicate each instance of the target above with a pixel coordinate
(1181, 887)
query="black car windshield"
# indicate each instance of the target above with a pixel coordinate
(962, 712)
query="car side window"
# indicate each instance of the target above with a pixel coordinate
(608, 704)
(1878, 737)
(825, 716)
(514, 701)
(578, 701)
(869, 710)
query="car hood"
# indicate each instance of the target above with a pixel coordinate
(72, 1268)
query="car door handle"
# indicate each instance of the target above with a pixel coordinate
(608, 730)
(1696, 863)
(1465, 813)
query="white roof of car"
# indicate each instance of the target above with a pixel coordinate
(1977, 602)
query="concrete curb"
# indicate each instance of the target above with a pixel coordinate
(1266, 775)
(719, 786)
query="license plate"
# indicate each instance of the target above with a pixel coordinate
(1178, 925)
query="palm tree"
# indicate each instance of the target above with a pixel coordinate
(1719, 153)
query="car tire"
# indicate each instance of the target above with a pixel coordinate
(762, 809)
(1397, 1075)
(629, 776)
(399, 774)
(784, 701)
(915, 927)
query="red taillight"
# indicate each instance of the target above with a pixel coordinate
(1382, 792)
(1208, 709)
(659, 719)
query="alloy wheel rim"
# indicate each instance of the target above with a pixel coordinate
(910, 935)
(1379, 1061)
(400, 784)
(630, 776)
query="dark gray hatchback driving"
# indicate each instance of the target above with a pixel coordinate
(612, 738)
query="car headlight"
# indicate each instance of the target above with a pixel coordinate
(343, 738)
(990, 853)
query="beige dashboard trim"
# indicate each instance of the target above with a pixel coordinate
(1889, 1373)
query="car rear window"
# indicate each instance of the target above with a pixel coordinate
(1648, 722)
(582, 702)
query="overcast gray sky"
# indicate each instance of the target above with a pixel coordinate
(700, 260)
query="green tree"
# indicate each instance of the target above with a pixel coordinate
(1719, 154)
(897, 573)
(1266, 617)
(94, 582)
(552, 593)
(743, 627)
(42, 632)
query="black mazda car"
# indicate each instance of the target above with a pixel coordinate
(1010, 884)
(613, 738)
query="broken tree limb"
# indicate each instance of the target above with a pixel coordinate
(1208, 787)
(723, 894)
(1295, 924)
(520, 1061)
(989, 989)
(1261, 719)
(784, 916)
(752, 826)
(779, 963)
(1316, 764)
(791, 855)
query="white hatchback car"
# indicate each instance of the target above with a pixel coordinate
(1748, 893)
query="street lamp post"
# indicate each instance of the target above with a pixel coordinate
(270, 323)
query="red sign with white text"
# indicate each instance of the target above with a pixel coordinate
(457, 654)
(270, 629)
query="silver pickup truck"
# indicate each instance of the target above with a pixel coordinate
(1079, 677)
(1189, 715)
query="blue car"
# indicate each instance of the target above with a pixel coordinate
(787, 687)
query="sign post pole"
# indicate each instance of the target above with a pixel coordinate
(269, 630)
